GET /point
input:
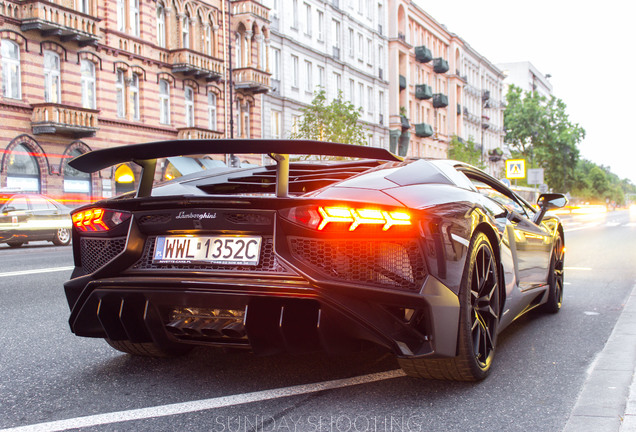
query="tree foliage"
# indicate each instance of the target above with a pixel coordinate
(333, 122)
(539, 130)
(465, 151)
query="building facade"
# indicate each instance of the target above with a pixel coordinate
(339, 46)
(79, 75)
(527, 77)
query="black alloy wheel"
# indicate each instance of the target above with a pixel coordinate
(479, 302)
(484, 301)
(555, 278)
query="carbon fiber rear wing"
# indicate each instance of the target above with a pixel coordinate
(146, 155)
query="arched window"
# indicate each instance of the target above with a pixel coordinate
(75, 181)
(23, 171)
(87, 70)
(134, 96)
(52, 91)
(239, 54)
(208, 39)
(161, 25)
(120, 92)
(164, 102)
(185, 31)
(10, 54)
(189, 106)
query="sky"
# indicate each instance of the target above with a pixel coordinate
(588, 48)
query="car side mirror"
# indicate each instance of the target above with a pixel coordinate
(8, 209)
(549, 201)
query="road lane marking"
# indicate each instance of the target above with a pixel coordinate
(203, 404)
(35, 271)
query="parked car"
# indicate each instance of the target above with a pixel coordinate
(26, 217)
(429, 259)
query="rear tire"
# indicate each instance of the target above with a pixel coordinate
(62, 237)
(479, 298)
(148, 349)
(555, 279)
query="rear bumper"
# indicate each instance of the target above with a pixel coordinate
(281, 313)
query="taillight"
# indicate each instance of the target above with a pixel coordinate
(98, 219)
(320, 217)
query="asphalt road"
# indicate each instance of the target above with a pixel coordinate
(47, 374)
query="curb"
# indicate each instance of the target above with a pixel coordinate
(606, 402)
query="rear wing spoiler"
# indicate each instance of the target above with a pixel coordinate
(146, 155)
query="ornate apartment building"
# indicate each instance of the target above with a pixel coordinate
(338, 45)
(79, 75)
(440, 87)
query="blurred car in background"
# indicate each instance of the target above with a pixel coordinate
(28, 217)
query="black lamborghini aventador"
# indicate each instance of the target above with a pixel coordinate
(429, 259)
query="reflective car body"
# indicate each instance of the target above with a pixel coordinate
(28, 217)
(429, 259)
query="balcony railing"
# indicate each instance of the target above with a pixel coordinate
(402, 82)
(424, 130)
(423, 91)
(440, 100)
(423, 54)
(198, 133)
(190, 62)
(54, 20)
(440, 65)
(336, 53)
(252, 80)
(51, 118)
(250, 7)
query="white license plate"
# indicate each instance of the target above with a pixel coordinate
(232, 250)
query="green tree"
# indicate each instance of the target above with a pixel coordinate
(539, 130)
(464, 151)
(333, 122)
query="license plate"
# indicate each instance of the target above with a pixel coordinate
(232, 250)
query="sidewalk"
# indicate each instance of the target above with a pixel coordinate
(606, 402)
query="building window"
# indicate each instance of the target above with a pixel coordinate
(276, 64)
(121, 15)
(370, 100)
(52, 92)
(337, 83)
(87, 70)
(189, 107)
(161, 25)
(351, 42)
(10, 54)
(120, 92)
(276, 127)
(246, 121)
(321, 76)
(208, 39)
(294, 71)
(307, 19)
(239, 53)
(295, 14)
(134, 96)
(308, 78)
(82, 6)
(164, 102)
(369, 51)
(360, 46)
(336, 33)
(321, 25)
(23, 171)
(211, 111)
(134, 17)
(185, 31)
(361, 94)
(381, 102)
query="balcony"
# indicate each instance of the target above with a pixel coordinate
(198, 133)
(440, 65)
(404, 121)
(54, 20)
(53, 119)
(251, 80)
(251, 8)
(423, 130)
(188, 62)
(402, 82)
(423, 91)
(423, 54)
(440, 100)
